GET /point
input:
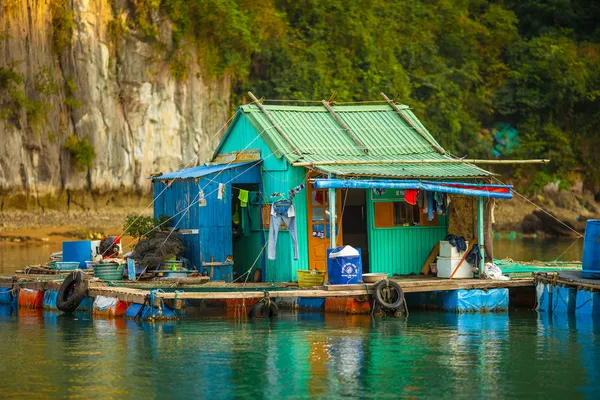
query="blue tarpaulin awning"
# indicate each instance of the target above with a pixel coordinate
(469, 189)
(203, 170)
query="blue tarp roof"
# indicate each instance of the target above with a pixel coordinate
(469, 189)
(200, 171)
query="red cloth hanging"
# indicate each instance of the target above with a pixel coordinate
(410, 196)
(319, 197)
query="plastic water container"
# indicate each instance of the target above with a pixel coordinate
(591, 250)
(449, 251)
(80, 251)
(445, 267)
(344, 268)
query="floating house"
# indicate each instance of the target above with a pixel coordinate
(351, 173)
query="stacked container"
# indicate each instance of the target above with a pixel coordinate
(449, 259)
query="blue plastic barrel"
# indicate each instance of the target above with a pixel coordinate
(591, 250)
(80, 251)
(344, 270)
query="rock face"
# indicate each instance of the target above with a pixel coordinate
(118, 91)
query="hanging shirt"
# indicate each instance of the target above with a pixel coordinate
(221, 192)
(430, 205)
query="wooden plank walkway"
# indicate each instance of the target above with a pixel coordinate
(240, 291)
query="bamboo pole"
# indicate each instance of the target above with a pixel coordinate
(409, 122)
(345, 127)
(436, 161)
(275, 125)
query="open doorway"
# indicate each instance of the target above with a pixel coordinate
(354, 222)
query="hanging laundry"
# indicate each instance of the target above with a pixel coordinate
(221, 191)
(319, 197)
(425, 202)
(282, 211)
(437, 197)
(201, 199)
(492, 207)
(410, 196)
(235, 218)
(421, 199)
(430, 205)
(243, 196)
(294, 192)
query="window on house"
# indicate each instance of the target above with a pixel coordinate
(391, 214)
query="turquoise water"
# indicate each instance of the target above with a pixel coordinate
(429, 355)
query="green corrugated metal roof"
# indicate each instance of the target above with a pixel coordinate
(319, 137)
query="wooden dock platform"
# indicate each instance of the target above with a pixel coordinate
(227, 291)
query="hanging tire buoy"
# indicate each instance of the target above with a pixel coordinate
(265, 308)
(71, 292)
(388, 294)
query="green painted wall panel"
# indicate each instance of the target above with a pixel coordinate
(278, 176)
(401, 250)
(243, 136)
(284, 268)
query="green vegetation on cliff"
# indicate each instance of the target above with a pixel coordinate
(465, 66)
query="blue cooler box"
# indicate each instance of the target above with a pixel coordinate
(344, 270)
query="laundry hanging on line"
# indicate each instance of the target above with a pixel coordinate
(221, 191)
(294, 192)
(282, 211)
(243, 197)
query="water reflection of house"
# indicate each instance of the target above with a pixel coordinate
(367, 161)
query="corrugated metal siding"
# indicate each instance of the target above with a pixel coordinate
(278, 176)
(213, 221)
(400, 250)
(283, 269)
(175, 198)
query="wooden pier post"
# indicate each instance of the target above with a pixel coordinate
(481, 234)
(332, 221)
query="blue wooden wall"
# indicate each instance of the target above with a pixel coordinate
(212, 221)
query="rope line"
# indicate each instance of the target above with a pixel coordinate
(579, 235)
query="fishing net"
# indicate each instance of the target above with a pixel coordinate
(150, 253)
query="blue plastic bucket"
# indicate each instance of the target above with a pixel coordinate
(79, 251)
(591, 250)
(344, 270)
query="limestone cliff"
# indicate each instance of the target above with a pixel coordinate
(114, 87)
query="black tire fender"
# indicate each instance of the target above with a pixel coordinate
(71, 292)
(396, 294)
(264, 309)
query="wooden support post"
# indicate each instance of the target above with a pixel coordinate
(481, 235)
(409, 122)
(332, 215)
(345, 128)
(275, 125)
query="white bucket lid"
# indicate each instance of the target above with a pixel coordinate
(347, 251)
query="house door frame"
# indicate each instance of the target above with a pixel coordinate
(319, 228)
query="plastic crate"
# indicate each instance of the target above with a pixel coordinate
(65, 265)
